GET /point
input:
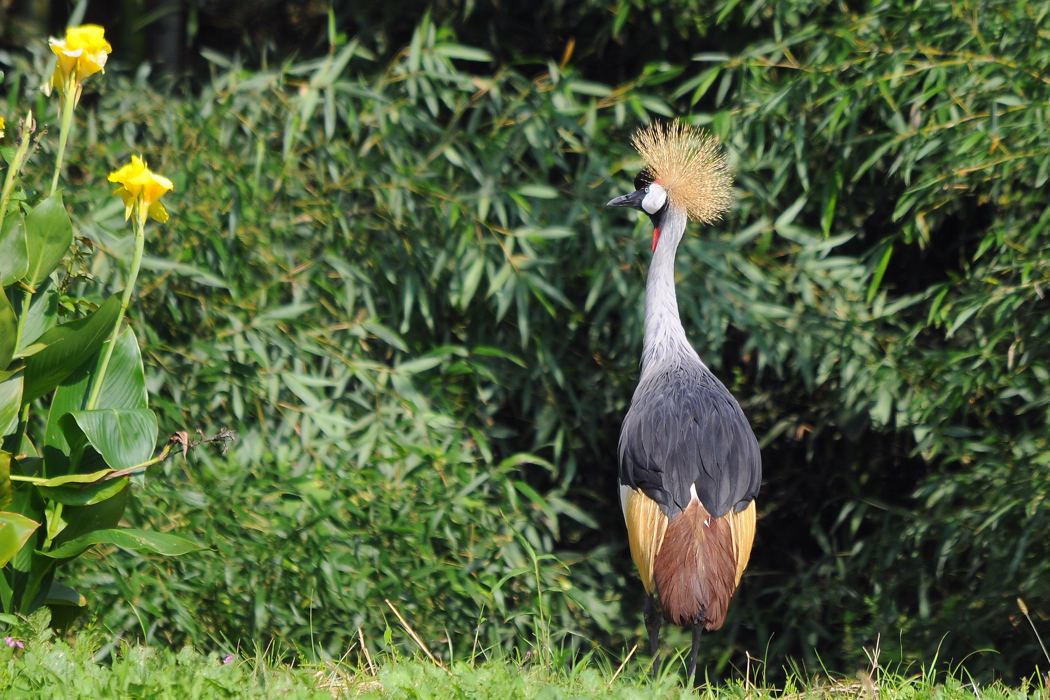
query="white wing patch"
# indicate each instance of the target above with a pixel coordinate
(625, 495)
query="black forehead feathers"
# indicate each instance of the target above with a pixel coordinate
(644, 179)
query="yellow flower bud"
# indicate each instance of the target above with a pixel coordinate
(2, 127)
(141, 189)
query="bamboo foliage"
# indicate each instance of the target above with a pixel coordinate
(425, 327)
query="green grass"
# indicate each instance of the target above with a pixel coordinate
(61, 670)
(58, 669)
(45, 666)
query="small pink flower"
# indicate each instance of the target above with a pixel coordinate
(14, 643)
(228, 659)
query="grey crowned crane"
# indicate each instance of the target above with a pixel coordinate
(689, 463)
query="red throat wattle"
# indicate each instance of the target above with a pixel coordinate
(656, 237)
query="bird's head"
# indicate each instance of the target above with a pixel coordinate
(648, 196)
(686, 169)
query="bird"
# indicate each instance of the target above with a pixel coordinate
(690, 467)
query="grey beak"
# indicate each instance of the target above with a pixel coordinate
(632, 200)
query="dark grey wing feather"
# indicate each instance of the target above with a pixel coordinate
(684, 428)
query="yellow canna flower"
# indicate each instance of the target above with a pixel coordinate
(81, 54)
(141, 189)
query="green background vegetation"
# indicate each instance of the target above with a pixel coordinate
(390, 270)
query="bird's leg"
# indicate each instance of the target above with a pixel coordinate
(698, 627)
(652, 626)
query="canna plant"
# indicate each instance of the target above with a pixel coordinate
(75, 420)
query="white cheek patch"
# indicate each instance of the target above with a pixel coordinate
(655, 200)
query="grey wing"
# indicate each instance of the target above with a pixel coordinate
(685, 430)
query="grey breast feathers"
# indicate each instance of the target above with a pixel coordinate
(684, 428)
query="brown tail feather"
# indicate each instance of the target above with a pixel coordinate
(695, 571)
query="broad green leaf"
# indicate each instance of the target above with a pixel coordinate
(103, 515)
(66, 605)
(71, 395)
(41, 317)
(8, 330)
(67, 479)
(14, 260)
(61, 594)
(124, 387)
(127, 538)
(49, 233)
(15, 529)
(124, 438)
(69, 345)
(84, 495)
(10, 401)
(25, 503)
(54, 523)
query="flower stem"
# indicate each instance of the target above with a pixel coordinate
(27, 127)
(107, 474)
(136, 263)
(68, 103)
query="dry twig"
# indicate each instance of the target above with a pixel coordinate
(629, 655)
(368, 657)
(416, 639)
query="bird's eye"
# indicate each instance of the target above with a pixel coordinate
(647, 190)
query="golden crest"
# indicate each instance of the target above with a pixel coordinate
(690, 165)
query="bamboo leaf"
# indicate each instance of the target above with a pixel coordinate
(880, 270)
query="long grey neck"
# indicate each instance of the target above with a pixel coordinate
(665, 339)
